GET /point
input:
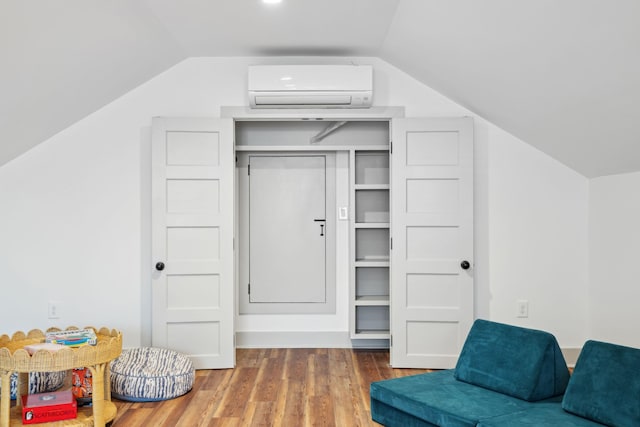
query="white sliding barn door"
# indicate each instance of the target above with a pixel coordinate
(192, 239)
(432, 240)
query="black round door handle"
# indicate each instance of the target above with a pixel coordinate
(465, 265)
(159, 266)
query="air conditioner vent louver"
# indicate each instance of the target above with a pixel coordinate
(300, 86)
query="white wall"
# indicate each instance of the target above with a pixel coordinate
(75, 212)
(614, 242)
(538, 239)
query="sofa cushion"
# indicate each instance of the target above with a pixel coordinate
(389, 416)
(605, 385)
(540, 414)
(437, 398)
(520, 362)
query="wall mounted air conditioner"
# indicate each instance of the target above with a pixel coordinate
(310, 86)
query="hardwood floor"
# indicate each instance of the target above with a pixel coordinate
(274, 387)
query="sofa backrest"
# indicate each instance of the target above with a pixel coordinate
(605, 385)
(520, 362)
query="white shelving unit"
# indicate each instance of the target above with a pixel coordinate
(370, 243)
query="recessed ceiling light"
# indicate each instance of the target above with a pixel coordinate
(271, 1)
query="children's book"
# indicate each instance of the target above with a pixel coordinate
(72, 338)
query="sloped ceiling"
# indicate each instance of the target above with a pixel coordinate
(563, 76)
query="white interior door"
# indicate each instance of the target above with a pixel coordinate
(432, 240)
(287, 229)
(192, 239)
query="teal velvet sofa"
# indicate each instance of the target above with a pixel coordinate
(502, 369)
(603, 390)
(510, 376)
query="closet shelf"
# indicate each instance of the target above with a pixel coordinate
(370, 228)
(371, 263)
(371, 187)
(372, 300)
(371, 225)
(371, 334)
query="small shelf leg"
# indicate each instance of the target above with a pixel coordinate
(22, 388)
(5, 398)
(98, 372)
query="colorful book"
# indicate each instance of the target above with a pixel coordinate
(72, 338)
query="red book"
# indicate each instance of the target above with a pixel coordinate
(46, 407)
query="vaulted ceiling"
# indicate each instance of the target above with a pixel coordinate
(562, 75)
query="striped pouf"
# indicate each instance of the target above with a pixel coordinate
(39, 382)
(149, 374)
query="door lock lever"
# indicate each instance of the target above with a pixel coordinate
(321, 225)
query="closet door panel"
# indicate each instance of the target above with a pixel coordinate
(432, 233)
(192, 296)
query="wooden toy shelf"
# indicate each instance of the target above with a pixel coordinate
(14, 358)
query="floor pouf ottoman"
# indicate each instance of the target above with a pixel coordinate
(39, 382)
(150, 374)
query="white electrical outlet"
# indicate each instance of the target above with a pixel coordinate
(343, 213)
(53, 310)
(522, 308)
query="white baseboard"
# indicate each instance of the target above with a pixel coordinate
(334, 339)
(293, 339)
(297, 339)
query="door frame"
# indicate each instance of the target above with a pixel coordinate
(234, 114)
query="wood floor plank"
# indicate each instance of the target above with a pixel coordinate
(321, 374)
(320, 411)
(269, 379)
(274, 387)
(263, 415)
(238, 393)
(281, 403)
(133, 417)
(294, 408)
